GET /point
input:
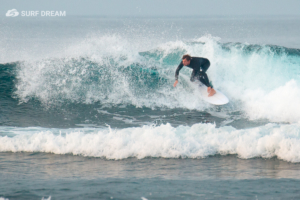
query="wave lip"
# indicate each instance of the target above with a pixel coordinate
(197, 141)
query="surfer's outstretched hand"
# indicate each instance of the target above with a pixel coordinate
(175, 83)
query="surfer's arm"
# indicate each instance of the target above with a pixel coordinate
(177, 70)
(177, 73)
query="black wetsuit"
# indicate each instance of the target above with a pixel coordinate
(199, 66)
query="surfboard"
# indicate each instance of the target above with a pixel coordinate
(217, 99)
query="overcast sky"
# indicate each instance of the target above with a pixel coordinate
(157, 7)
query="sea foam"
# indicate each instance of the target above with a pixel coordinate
(197, 141)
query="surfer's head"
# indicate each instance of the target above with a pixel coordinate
(186, 59)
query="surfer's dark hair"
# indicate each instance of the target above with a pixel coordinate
(187, 57)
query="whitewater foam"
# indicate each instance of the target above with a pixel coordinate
(197, 141)
(280, 104)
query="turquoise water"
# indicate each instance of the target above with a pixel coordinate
(88, 110)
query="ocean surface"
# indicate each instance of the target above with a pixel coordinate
(88, 109)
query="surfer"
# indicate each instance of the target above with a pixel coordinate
(199, 66)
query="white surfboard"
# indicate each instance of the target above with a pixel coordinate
(217, 99)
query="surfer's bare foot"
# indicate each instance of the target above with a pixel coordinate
(212, 92)
(208, 89)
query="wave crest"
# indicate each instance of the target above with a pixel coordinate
(197, 141)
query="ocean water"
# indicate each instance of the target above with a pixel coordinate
(88, 109)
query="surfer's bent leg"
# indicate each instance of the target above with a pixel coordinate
(202, 76)
(204, 79)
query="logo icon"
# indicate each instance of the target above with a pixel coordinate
(12, 13)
